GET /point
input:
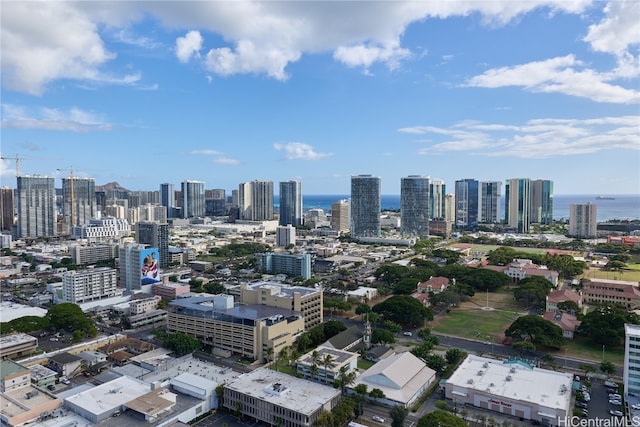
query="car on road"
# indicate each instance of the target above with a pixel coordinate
(616, 413)
(377, 418)
(407, 334)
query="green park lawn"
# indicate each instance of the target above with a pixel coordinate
(475, 323)
(632, 275)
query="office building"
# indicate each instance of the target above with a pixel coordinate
(511, 387)
(340, 215)
(91, 254)
(36, 207)
(437, 193)
(291, 203)
(466, 196)
(192, 199)
(168, 198)
(215, 202)
(489, 210)
(155, 235)
(541, 202)
(7, 209)
(246, 329)
(450, 207)
(631, 375)
(293, 265)
(365, 206)
(285, 236)
(102, 230)
(518, 204)
(255, 200)
(583, 220)
(414, 206)
(307, 301)
(88, 285)
(623, 293)
(78, 201)
(278, 399)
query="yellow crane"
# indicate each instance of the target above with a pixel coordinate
(17, 159)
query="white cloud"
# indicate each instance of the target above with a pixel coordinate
(62, 40)
(227, 161)
(75, 119)
(7, 168)
(205, 152)
(619, 29)
(300, 151)
(188, 46)
(565, 75)
(540, 138)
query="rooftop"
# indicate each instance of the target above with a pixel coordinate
(10, 310)
(339, 357)
(203, 305)
(16, 402)
(9, 367)
(109, 395)
(631, 330)
(514, 381)
(284, 390)
(15, 339)
(281, 289)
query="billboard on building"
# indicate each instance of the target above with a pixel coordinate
(149, 263)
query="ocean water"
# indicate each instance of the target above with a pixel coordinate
(623, 207)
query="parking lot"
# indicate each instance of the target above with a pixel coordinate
(599, 407)
(219, 419)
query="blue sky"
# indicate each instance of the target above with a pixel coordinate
(225, 92)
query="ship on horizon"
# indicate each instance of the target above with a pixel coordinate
(605, 198)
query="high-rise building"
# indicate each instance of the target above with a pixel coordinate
(414, 206)
(291, 203)
(255, 200)
(489, 210)
(78, 201)
(450, 207)
(437, 192)
(583, 220)
(36, 206)
(466, 203)
(88, 285)
(340, 215)
(168, 198)
(285, 235)
(631, 375)
(7, 209)
(541, 202)
(215, 202)
(518, 204)
(192, 199)
(138, 267)
(365, 206)
(155, 234)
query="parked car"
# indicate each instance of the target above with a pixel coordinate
(615, 396)
(407, 334)
(616, 413)
(51, 387)
(615, 402)
(636, 406)
(65, 381)
(582, 405)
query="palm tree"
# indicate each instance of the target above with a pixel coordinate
(315, 361)
(269, 354)
(345, 378)
(328, 363)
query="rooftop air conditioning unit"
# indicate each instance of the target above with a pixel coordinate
(480, 372)
(509, 378)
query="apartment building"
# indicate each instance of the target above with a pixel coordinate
(90, 254)
(293, 265)
(89, 285)
(307, 301)
(16, 345)
(631, 375)
(245, 329)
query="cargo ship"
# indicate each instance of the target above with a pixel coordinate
(605, 198)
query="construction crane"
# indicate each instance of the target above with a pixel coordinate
(17, 159)
(72, 220)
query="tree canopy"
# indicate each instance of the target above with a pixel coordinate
(537, 330)
(404, 310)
(440, 418)
(605, 324)
(68, 316)
(181, 343)
(533, 291)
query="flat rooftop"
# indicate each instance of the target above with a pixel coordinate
(514, 380)
(202, 307)
(284, 390)
(338, 356)
(109, 395)
(15, 402)
(11, 310)
(282, 288)
(16, 339)
(205, 370)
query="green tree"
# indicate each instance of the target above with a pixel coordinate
(332, 328)
(523, 346)
(325, 419)
(214, 288)
(502, 256)
(568, 306)
(68, 316)
(181, 343)
(328, 362)
(440, 418)
(436, 362)
(382, 336)
(404, 310)
(376, 393)
(363, 309)
(454, 355)
(398, 416)
(345, 379)
(586, 368)
(537, 330)
(607, 367)
(605, 324)
(393, 327)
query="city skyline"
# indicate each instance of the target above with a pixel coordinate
(144, 93)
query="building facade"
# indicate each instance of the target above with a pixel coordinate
(78, 201)
(36, 207)
(414, 206)
(7, 209)
(291, 203)
(489, 205)
(89, 285)
(518, 204)
(541, 201)
(293, 265)
(466, 202)
(583, 220)
(168, 198)
(102, 230)
(130, 267)
(156, 235)
(365, 206)
(631, 374)
(437, 193)
(192, 199)
(340, 215)
(606, 291)
(285, 235)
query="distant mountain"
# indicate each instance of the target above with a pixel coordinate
(111, 186)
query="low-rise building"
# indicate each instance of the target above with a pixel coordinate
(65, 364)
(13, 376)
(170, 290)
(602, 291)
(562, 295)
(566, 321)
(325, 364)
(523, 268)
(513, 388)
(293, 265)
(17, 345)
(279, 399)
(42, 376)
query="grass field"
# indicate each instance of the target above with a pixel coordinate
(632, 275)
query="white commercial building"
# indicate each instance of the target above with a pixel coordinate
(631, 359)
(102, 229)
(89, 285)
(513, 388)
